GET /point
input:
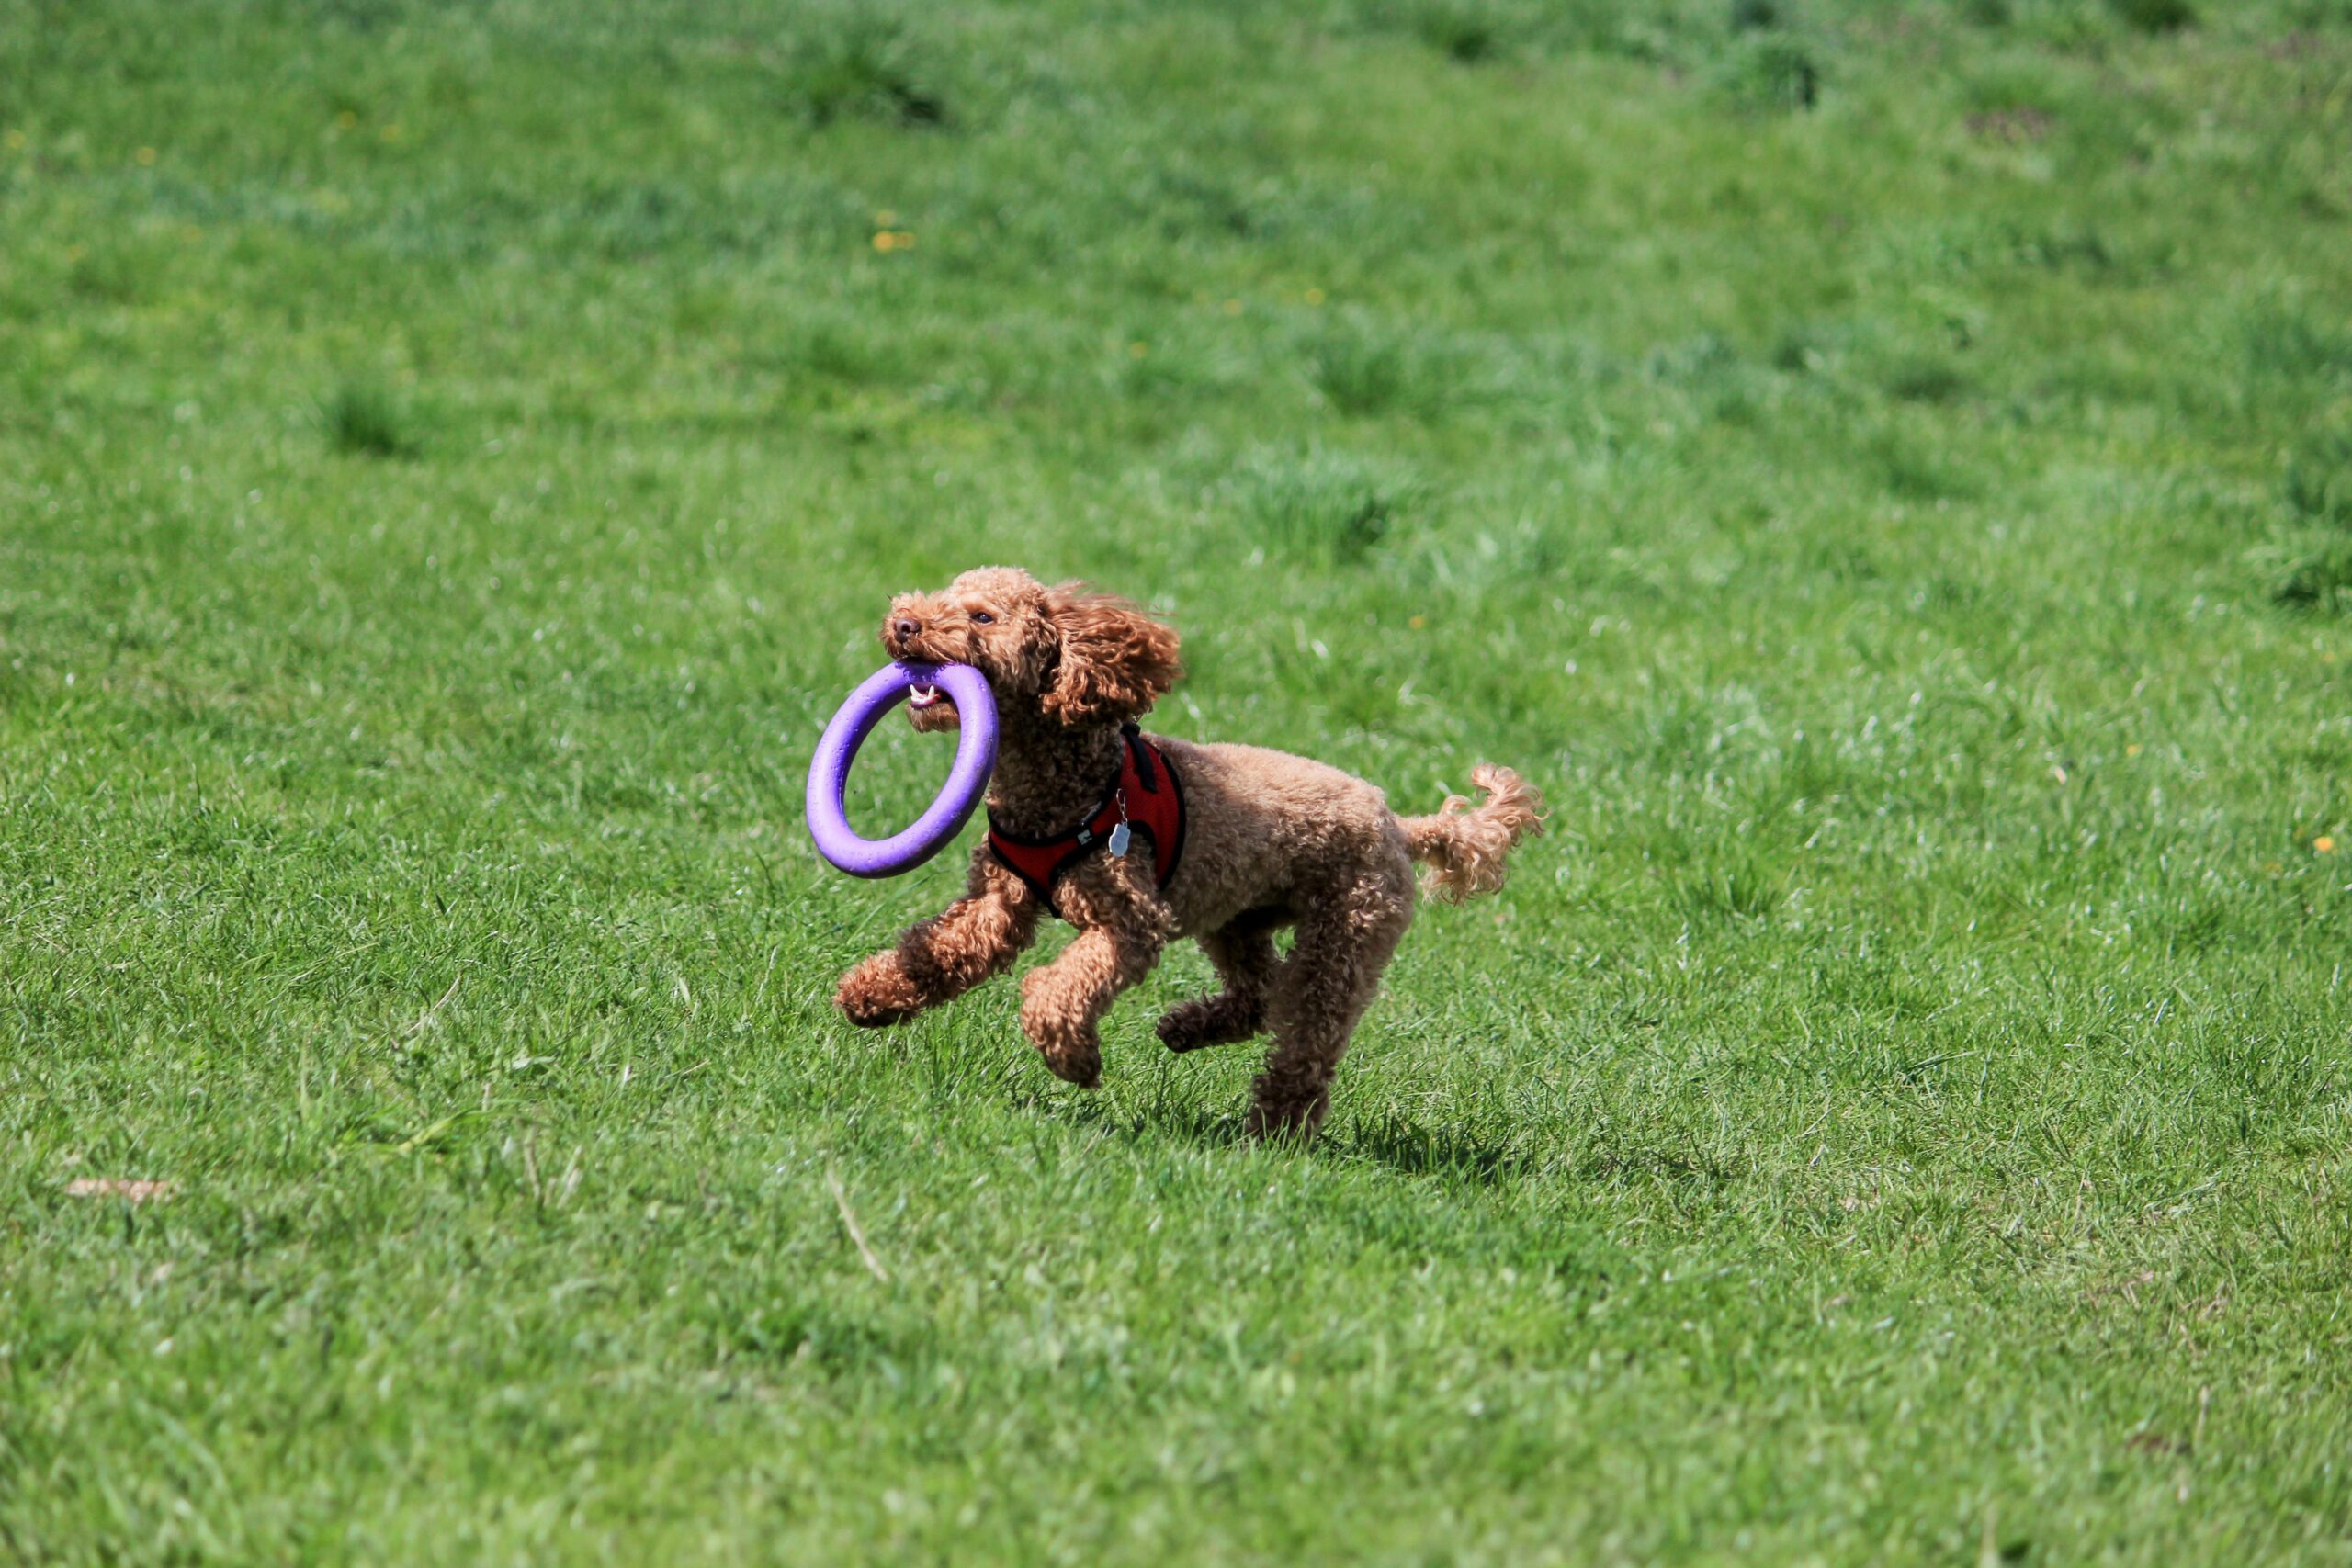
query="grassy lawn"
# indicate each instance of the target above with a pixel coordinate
(1886, 471)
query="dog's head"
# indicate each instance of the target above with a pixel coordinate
(1077, 656)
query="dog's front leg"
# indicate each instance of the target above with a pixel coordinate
(937, 960)
(1122, 928)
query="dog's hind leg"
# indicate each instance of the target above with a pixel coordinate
(1345, 940)
(1243, 953)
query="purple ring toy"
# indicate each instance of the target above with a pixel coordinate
(829, 770)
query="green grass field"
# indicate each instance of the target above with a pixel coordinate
(1885, 471)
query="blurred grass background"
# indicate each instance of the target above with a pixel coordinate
(1885, 469)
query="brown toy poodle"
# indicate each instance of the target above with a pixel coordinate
(1240, 842)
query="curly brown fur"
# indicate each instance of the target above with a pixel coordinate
(975, 939)
(1271, 841)
(1244, 957)
(1468, 851)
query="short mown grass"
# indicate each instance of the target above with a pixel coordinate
(1880, 467)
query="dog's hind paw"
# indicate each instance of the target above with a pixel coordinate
(1296, 1121)
(1221, 1019)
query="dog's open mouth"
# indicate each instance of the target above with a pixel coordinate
(929, 706)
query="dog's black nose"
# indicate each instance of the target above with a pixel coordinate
(906, 629)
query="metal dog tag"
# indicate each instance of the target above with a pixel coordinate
(1119, 839)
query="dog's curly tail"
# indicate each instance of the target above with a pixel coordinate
(1465, 847)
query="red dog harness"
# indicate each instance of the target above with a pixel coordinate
(1144, 798)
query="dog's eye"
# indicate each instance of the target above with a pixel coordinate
(982, 618)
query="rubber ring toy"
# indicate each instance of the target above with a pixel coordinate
(946, 817)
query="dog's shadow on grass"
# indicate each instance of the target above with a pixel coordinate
(1161, 1121)
(1404, 1146)
(1414, 1148)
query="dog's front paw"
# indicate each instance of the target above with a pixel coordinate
(1071, 1047)
(1083, 1067)
(1074, 1055)
(877, 993)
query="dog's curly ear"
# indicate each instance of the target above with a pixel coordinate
(1114, 662)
